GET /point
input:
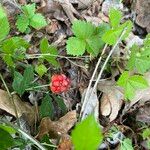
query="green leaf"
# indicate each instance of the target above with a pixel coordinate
(60, 104)
(115, 17)
(87, 135)
(139, 59)
(14, 43)
(75, 46)
(4, 24)
(21, 83)
(102, 28)
(51, 52)
(29, 10)
(41, 70)
(146, 133)
(131, 84)
(47, 108)
(22, 23)
(126, 144)
(83, 29)
(18, 78)
(8, 129)
(94, 45)
(8, 60)
(38, 21)
(44, 45)
(6, 140)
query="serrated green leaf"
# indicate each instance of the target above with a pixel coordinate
(88, 130)
(111, 36)
(75, 46)
(83, 29)
(126, 144)
(139, 59)
(131, 84)
(6, 140)
(102, 28)
(29, 10)
(41, 70)
(115, 17)
(50, 51)
(17, 81)
(21, 83)
(38, 21)
(14, 43)
(146, 133)
(22, 23)
(4, 24)
(60, 104)
(47, 108)
(44, 45)
(94, 45)
(8, 60)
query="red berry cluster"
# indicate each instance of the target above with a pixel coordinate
(59, 83)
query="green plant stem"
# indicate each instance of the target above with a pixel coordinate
(50, 145)
(11, 98)
(32, 56)
(36, 87)
(34, 141)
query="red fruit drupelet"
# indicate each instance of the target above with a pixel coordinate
(59, 83)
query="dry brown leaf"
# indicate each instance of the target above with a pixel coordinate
(58, 128)
(111, 100)
(22, 108)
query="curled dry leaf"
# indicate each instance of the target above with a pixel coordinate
(23, 108)
(57, 129)
(111, 100)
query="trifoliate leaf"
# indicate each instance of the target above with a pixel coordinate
(41, 70)
(50, 52)
(139, 59)
(115, 17)
(38, 21)
(83, 29)
(94, 45)
(126, 144)
(87, 135)
(4, 24)
(47, 108)
(29, 10)
(75, 46)
(6, 141)
(131, 84)
(22, 23)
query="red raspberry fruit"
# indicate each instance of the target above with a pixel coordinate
(59, 83)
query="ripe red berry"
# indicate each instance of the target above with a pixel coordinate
(59, 83)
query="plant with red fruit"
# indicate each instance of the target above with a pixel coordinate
(59, 83)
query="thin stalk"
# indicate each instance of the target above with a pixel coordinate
(36, 87)
(106, 61)
(11, 98)
(94, 73)
(31, 56)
